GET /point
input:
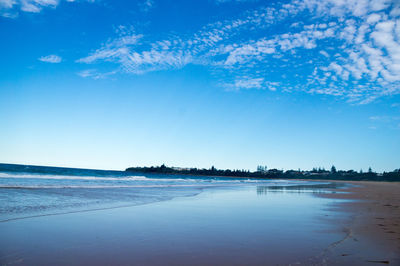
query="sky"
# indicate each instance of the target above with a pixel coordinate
(110, 84)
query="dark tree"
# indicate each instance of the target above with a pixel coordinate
(333, 169)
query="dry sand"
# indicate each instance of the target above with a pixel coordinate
(372, 227)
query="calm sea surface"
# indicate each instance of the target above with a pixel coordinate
(27, 191)
(74, 216)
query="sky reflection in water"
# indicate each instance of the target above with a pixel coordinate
(228, 224)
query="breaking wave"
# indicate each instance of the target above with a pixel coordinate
(77, 177)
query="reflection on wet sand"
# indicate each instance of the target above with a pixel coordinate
(306, 188)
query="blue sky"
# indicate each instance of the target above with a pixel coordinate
(287, 84)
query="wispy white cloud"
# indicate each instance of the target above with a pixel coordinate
(7, 3)
(346, 48)
(36, 6)
(146, 5)
(386, 121)
(11, 8)
(122, 50)
(114, 48)
(6, 7)
(51, 59)
(246, 83)
(324, 53)
(176, 52)
(384, 118)
(95, 74)
(368, 65)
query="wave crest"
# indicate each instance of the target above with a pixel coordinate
(69, 177)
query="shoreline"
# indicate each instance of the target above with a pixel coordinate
(359, 225)
(268, 178)
(372, 224)
(224, 227)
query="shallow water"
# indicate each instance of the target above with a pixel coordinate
(50, 219)
(221, 226)
(34, 191)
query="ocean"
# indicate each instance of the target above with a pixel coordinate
(64, 216)
(28, 191)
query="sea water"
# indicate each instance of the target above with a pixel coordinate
(62, 216)
(27, 191)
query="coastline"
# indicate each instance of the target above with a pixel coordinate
(372, 224)
(357, 224)
(222, 226)
(262, 172)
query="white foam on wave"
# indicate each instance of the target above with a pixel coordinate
(100, 186)
(97, 178)
(67, 177)
(200, 180)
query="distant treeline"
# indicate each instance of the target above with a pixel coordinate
(263, 172)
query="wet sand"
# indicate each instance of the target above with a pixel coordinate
(243, 226)
(371, 222)
(222, 226)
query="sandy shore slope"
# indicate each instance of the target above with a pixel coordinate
(373, 227)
